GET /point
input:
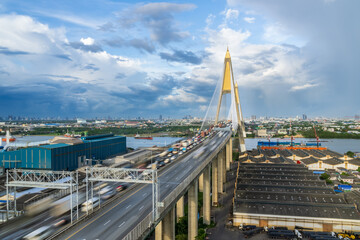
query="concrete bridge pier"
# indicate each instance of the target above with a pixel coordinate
(214, 183)
(180, 208)
(220, 178)
(169, 225)
(193, 211)
(201, 183)
(158, 231)
(231, 150)
(165, 230)
(228, 155)
(223, 152)
(206, 196)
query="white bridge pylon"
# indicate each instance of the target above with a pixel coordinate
(128, 175)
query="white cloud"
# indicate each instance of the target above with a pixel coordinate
(181, 96)
(45, 51)
(87, 41)
(249, 19)
(210, 19)
(277, 33)
(22, 33)
(303, 87)
(90, 23)
(231, 14)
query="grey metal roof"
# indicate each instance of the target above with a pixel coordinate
(309, 160)
(333, 161)
(288, 190)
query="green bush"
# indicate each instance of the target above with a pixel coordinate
(328, 181)
(324, 176)
(201, 234)
(350, 154)
(236, 156)
(181, 237)
(181, 228)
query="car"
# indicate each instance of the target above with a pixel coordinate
(121, 187)
(172, 158)
(62, 221)
(40, 233)
(161, 164)
(108, 195)
(167, 160)
(181, 152)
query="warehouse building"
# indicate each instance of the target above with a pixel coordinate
(313, 158)
(289, 195)
(65, 156)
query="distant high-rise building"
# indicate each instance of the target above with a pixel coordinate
(160, 117)
(253, 117)
(304, 117)
(357, 117)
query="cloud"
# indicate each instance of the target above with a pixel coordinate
(328, 41)
(107, 27)
(303, 87)
(64, 16)
(210, 19)
(232, 14)
(87, 41)
(158, 19)
(180, 96)
(22, 34)
(91, 67)
(7, 51)
(80, 78)
(181, 56)
(141, 44)
(249, 19)
(86, 47)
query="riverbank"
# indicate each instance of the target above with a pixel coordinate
(338, 145)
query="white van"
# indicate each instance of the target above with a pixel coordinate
(88, 205)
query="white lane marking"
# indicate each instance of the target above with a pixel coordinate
(144, 194)
(141, 207)
(107, 222)
(121, 224)
(128, 206)
(167, 185)
(47, 219)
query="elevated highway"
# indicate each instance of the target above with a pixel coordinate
(130, 217)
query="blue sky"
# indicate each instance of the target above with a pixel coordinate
(98, 58)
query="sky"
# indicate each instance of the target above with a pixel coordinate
(100, 58)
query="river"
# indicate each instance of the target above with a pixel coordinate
(337, 145)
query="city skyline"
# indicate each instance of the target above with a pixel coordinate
(107, 58)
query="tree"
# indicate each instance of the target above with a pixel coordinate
(350, 154)
(328, 181)
(201, 234)
(324, 176)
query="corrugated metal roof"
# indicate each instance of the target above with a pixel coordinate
(103, 139)
(51, 146)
